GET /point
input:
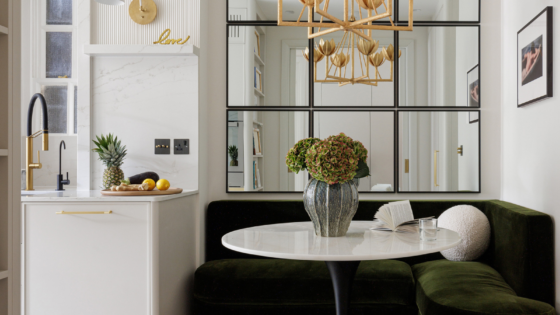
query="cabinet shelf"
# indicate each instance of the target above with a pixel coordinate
(3, 30)
(3, 274)
(258, 156)
(257, 123)
(259, 92)
(258, 60)
(3, 152)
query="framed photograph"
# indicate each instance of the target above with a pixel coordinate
(257, 48)
(473, 86)
(534, 60)
(473, 117)
(258, 80)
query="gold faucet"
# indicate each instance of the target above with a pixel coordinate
(29, 165)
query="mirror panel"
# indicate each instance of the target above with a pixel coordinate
(376, 132)
(331, 94)
(266, 66)
(267, 10)
(439, 151)
(441, 11)
(273, 134)
(435, 65)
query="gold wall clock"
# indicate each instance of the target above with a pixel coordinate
(143, 11)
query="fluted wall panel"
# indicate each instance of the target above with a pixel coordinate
(112, 25)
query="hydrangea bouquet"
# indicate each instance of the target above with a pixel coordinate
(334, 160)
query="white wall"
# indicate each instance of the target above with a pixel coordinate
(112, 25)
(530, 152)
(216, 128)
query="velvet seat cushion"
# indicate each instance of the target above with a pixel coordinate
(290, 282)
(467, 288)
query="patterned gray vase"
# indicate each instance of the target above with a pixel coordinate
(331, 207)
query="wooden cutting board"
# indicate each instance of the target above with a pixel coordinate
(170, 191)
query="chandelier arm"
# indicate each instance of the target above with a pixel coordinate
(315, 35)
(345, 10)
(329, 16)
(361, 34)
(360, 23)
(301, 14)
(310, 19)
(325, 8)
(381, 27)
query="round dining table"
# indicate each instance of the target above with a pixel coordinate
(342, 255)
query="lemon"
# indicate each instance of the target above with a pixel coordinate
(163, 184)
(150, 182)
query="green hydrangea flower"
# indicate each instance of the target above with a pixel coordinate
(333, 160)
(295, 160)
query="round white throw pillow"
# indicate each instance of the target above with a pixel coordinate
(474, 228)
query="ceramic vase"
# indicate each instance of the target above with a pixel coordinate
(331, 207)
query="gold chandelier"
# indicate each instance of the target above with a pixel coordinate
(357, 33)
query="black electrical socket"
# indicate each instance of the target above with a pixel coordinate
(162, 146)
(181, 146)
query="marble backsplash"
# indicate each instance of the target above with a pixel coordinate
(140, 99)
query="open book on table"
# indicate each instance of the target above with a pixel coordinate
(396, 217)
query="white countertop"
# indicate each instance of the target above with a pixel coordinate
(93, 196)
(297, 241)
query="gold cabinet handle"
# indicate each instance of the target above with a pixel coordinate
(435, 168)
(91, 212)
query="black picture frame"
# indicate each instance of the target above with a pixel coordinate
(473, 119)
(397, 162)
(534, 78)
(473, 85)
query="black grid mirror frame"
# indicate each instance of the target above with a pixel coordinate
(311, 108)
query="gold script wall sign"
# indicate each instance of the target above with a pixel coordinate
(163, 39)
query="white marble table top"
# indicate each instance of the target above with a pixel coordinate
(297, 241)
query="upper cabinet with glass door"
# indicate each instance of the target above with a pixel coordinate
(54, 68)
(441, 11)
(440, 67)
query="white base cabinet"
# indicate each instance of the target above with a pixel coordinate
(108, 258)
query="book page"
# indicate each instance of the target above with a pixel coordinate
(401, 212)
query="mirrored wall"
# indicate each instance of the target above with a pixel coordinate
(439, 151)
(266, 66)
(413, 98)
(258, 142)
(439, 66)
(375, 130)
(466, 11)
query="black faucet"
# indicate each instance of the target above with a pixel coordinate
(60, 181)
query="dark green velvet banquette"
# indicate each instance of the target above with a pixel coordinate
(514, 276)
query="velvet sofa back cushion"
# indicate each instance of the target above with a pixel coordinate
(521, 245)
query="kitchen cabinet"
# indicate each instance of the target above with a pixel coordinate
(133, 256)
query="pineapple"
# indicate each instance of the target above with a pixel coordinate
(233, 154)
(112, 154)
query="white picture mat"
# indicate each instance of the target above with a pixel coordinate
(538, 87)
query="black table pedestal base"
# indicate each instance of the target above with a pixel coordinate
(342, 276)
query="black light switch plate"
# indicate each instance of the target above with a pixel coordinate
(181, 146)
(162, 146)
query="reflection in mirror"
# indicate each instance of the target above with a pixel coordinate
(267, 10)
(439, 151)
(375, 130)
(442, 11)
(258, 142)
(331, 94)
(435, 63)
(266, 66)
